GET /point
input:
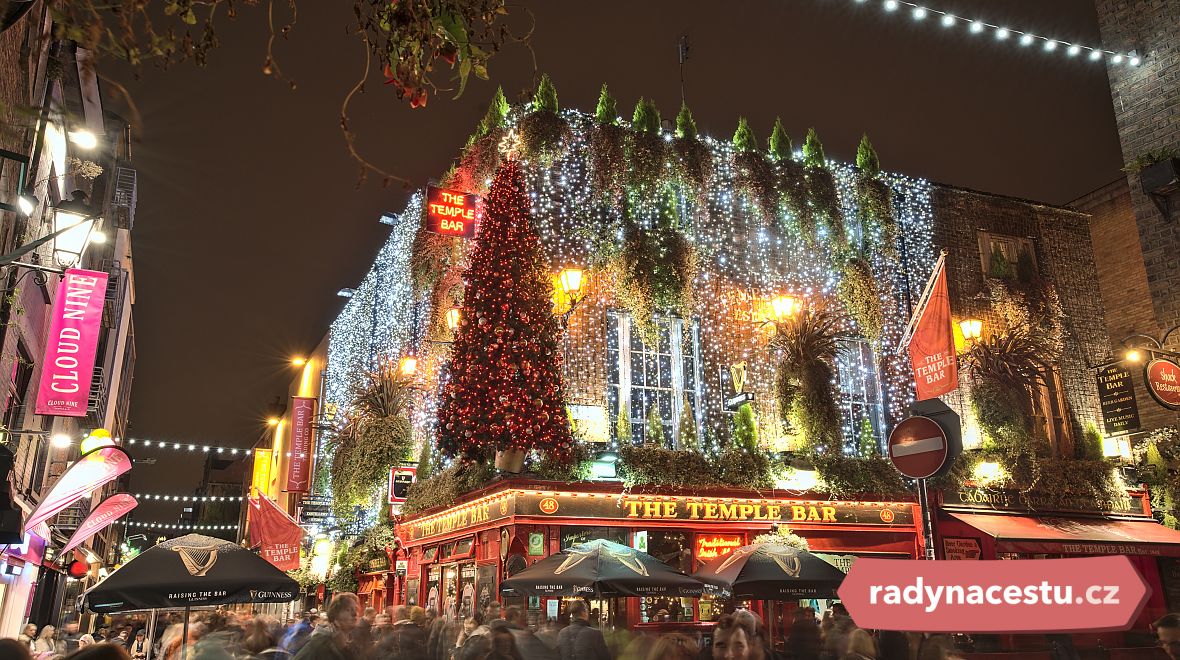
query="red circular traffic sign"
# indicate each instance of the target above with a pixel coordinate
(918, 447)
(1163, 382)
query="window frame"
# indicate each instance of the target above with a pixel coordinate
(620, 319)
(1011, 246)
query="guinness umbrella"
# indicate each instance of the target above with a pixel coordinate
(601, 568)
(771, 571)
(188, 571)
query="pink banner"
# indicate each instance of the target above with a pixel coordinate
(299, 467)
(111, 509)
(72, 343)
(93, 470)
(277, 533)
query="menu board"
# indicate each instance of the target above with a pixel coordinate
(1116, 394)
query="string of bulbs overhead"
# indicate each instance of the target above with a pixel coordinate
(1002, 33)
(158, 525)
(188, 498)
(184, 447)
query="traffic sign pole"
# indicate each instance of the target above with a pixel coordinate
(927, 520)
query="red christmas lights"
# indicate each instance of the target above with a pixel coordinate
(505, 389)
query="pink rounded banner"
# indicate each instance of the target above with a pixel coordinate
(112, 508)
(94, 469)
(1092, 594)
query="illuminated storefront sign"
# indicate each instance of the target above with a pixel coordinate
(450, 212)
(648, 508)
(261, 480)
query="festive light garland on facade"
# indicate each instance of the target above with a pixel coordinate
(739, 252)
(160, 525)
(1025, 39)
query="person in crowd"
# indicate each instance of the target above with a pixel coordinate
(85, 640)
(46, 642)
(580, 641)
(860, 646)
(258, 637)
(16, 649)
(362, 634)
(1167, 634)
(332, 642)
(938, 647)
(494, 615)
(836, 639)
(737, 638)
(28, 636)
(474, 643)
(502, 645)
(893, 645)
(548, 634)
(102, 634)
(405, 640)
(297, 636)
(673, 647)
(803, 638)
(443, 638)
(527, 644)
(105, 651)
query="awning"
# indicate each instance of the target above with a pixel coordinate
(1075, 536)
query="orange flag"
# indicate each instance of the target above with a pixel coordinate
(932, 341)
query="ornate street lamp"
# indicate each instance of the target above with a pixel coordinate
(972, 329)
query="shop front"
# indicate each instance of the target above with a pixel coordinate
(975, 523)
(456, 557)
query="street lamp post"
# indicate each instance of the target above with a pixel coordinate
(74, 224)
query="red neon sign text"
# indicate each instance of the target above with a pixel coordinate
(451, 212)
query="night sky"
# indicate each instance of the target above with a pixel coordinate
(250, 217)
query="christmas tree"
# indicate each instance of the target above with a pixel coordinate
(505, 390)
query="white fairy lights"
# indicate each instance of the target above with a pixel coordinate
(145, 497)
(177, 526)
(919, 13)
(744, 261)
(190, 448)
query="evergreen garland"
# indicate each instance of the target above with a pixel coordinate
(754, 175)
(686, 127)
(623, 427)
(745, 428)
(694, 160)
(859, 291)
(780, 143)
(654, 430)
(687, 426)
(874, 201)
(606, 113)
(821, 185)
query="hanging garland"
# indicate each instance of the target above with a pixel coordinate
(821, 185)
(859, 291)
(792, 185)
(646, 149)
(755, 176)
(694, 160)
(874, 202)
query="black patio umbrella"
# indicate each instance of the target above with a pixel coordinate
(771, 571)
(601, 568)
(188, 571)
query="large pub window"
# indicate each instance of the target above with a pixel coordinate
(663, 377)
(861, 408)
(1049, 413)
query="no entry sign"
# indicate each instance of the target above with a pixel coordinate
(918, 447)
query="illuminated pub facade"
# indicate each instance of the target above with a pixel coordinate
(615, 382)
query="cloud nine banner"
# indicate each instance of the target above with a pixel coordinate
(111, 509)
(94, 470)
(71, 344)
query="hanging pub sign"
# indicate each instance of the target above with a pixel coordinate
(451, 212)
(299, 467)
(400, 479)
(1116, 394)
(1163, 382)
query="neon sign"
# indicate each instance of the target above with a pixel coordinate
(712, 546)
(450, 212)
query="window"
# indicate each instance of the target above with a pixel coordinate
(861, 408)
(1005, 256)
(1049, 412)
(19, 378)
(662, 377)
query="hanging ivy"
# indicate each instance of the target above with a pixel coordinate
(607, 150)
(852, 476)
(754, 175)
(874, 200)
(377, 436)
(807, 346)
(431, 255)
(858, 290)
(694, 160)
(577, 467)
(543, 131)
(658, 465)
(1156, 458)
(821, 185)
(446, 486)
(646, 153)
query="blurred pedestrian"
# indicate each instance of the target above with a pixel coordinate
(45, 642)
(860, 646)
(15, 649)
(580, 641)
(106, 651)
(737, 638)
(1167, 634)
(893, 645)
(139, 648)
(332, 643)
(674, 647)
(502, 644)
(527, 644)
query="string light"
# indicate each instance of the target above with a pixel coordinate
(177, 526)
(187, 448)
(744, 262)
(188, 498)
(976, 26)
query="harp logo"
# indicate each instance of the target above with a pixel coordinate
(198, 559)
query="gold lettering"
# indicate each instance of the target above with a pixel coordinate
(746, 510)
(694, 509)
(829, 514)
(651, 509)
(669, 509)
(759, 513)
(633, 506)
(798, 513)
(774, 512)
(710, 511)
(812, 514)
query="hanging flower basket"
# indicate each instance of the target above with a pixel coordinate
(510, 460)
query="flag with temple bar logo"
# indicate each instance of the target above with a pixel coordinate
(930, 339)
(276, 532)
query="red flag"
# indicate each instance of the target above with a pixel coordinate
(299, 467)
(111, 509)
(932, 344)
(276, 532)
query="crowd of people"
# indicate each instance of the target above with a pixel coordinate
(345, 631)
